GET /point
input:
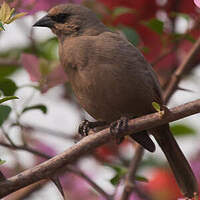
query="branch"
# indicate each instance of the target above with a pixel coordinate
(57, 164)
(129, 181)
(176, 77)
(68, 168)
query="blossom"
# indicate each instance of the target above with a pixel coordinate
(197, 3)
(163, 185)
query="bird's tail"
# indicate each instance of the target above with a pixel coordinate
(177, 161)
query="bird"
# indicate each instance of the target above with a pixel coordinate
(112, 81)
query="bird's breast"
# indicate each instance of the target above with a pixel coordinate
(105, 95)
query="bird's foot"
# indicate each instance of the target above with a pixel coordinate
(117, 127)
(86, 125)
(84, 128)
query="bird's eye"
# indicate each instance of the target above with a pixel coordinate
(60, 18)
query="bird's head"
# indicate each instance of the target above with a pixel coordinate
(70, 19)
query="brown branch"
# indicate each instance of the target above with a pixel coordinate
(176, 77)
(130, 178)
(69, 168)
(57, 164)
(26, 192)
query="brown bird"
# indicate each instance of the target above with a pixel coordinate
(111, 79)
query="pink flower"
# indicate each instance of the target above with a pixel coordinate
(31, 63)
(197, 3)
(78, 188)
(47, 74)
(43, 148)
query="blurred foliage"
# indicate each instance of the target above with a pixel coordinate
(46, 49)
(182, 130)
(120, 172)
(4, 113)
(7, 86)
(155, 25)
(6, 71)
(2, 162)
(131, 35)
(122, 10)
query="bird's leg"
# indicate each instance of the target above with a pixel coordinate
(86, 125)
(117, 127)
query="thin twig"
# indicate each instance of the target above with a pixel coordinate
(56, 165)
(130, 178)
(48, 131)
(176, 77)
(25, 148)
(69, 168)
(7, 136)
(4, 62)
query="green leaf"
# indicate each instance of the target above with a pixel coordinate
(141, 179)
(8, 87)
(131, 35)
(6, 71)
(4, 113)
(179, 36)
(2, 161)
(117, 168)
(115, 180)
(156, 106)
(121, 10)
(8, 98)
(41, 107)
(1, 26)
(155, 25)
(182, 130)
(120, 172)
(145, 49)
(190, 38)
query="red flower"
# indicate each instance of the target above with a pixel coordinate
(163, 186)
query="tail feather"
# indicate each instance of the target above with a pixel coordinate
(177, 161)
(144, 140)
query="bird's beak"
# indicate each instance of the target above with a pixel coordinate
(45, 21)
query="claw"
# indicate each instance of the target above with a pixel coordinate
(86, 125)
(84, 128)
(117, 127)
